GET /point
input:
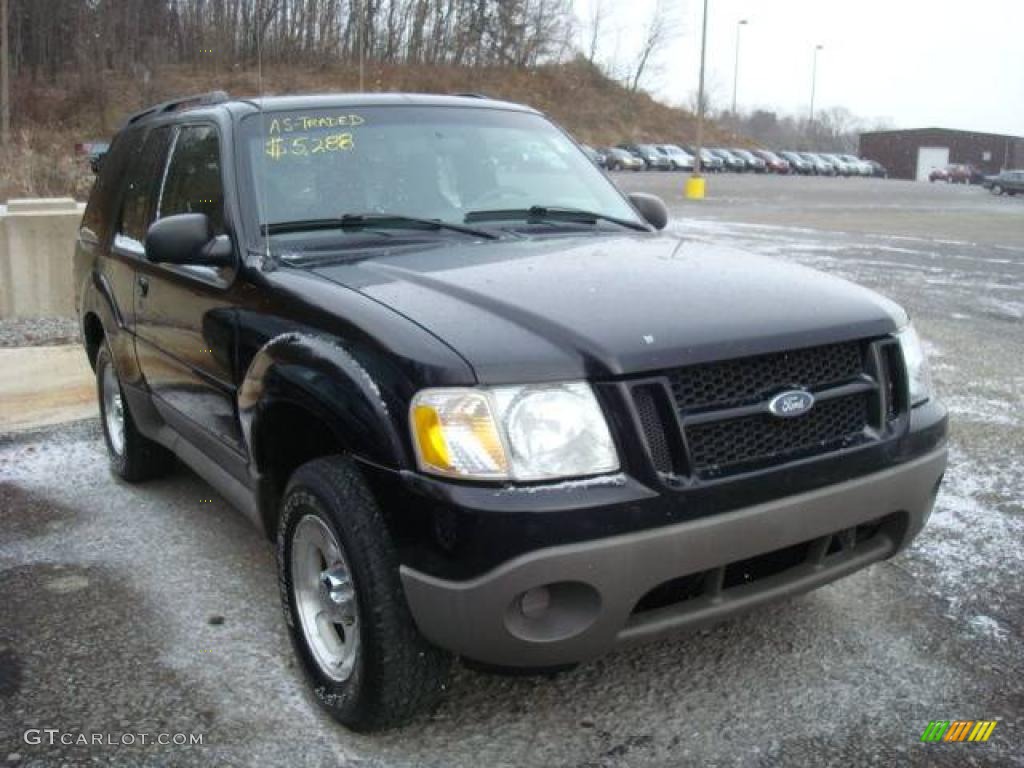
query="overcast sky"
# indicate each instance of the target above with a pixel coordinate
(917, 63)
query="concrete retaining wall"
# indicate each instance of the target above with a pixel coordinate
(37, 242)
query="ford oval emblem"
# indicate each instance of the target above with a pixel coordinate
(796, 402)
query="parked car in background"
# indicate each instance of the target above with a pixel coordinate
(822, 166)
(797, 164)
(1005, 183)
(93, 152)
(943, 173)
(860, 167)
(842, 167)
(617, 159)
(878, 170)
(709, 162)
(681, 159)
(732, 162)
(774, 163)
(976, 175)
(653, 159)
(596, 157)
(754, 163)
(957, 173)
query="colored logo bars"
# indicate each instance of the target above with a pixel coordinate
(958, 730)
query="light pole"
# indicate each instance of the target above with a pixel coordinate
(736, 67)
(695, 184)
(814, 81)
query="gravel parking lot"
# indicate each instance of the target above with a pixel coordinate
(154, 609)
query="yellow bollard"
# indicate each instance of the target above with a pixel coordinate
(695, 188)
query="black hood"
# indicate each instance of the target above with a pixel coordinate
(597, 306)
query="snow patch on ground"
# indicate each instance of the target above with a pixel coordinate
(1010, 309)
(986, 625)
(27, 462)
(973, 537)
(983, 409)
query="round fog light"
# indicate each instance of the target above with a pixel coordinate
(534, 602)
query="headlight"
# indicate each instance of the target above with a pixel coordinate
(918, 376)
(535, 432)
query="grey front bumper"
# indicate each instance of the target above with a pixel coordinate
(593, 587)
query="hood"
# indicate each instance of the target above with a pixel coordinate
(599, 306)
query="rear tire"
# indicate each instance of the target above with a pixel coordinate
(997, 189)
(371, 669)
(133, 457)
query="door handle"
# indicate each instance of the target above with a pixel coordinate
(143, 285)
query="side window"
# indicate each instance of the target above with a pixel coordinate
(137, 208)
(100, 212)
(192, 183)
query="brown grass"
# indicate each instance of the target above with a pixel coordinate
(50, 118)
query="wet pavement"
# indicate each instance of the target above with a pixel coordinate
(153, 609)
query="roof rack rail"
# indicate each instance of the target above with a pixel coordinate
(178, 105)
(471, 95)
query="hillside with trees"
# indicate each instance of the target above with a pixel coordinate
(79, 66)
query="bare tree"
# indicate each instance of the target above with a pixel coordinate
(657, 33)
(595, 25)
(712, 98)
(50, 36)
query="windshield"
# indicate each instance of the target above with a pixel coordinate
(428, 162)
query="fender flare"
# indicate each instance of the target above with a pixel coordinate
(323, 377)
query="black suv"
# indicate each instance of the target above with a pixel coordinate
(480, 404)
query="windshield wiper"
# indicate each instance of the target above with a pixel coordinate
(371, 220)
(542, 212)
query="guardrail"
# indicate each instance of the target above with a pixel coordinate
(37, 241)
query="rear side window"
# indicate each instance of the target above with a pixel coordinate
(193, 182)
(99, 213)
(137, 208)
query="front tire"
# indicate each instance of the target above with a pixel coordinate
(344, 605)
(133, 456)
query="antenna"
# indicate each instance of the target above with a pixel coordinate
(261, 189)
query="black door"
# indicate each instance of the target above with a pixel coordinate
(185, 317)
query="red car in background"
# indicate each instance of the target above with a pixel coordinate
(775, 163)
(956, 173)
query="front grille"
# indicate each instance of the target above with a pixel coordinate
(711, 420)
(734, 382)
(653, 426)
(833, 424)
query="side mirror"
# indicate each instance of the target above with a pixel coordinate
(651, 208)
(187, 238)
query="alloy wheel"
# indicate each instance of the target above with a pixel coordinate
(325, 598)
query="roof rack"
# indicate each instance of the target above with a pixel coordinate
(179, 105)
(471, 95)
